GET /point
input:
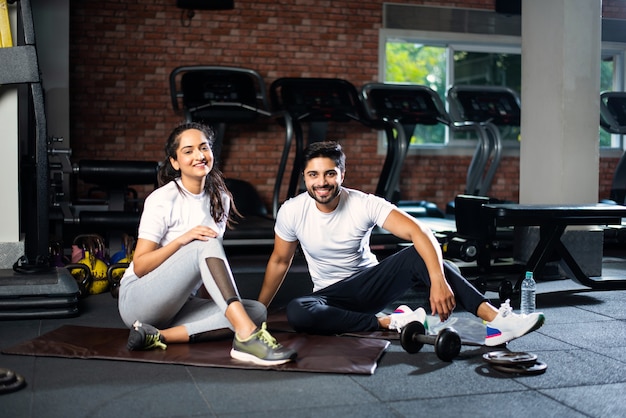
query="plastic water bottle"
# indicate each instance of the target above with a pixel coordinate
(529, 288)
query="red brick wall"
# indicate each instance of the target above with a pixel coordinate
(613, 9)
(122, 52)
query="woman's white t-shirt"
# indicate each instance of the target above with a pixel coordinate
(170, 211)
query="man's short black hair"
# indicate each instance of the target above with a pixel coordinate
(327, 149)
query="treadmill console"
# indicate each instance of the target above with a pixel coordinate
(316, 99)
(499, 107)
(218, 95)
(617, 107)
(406, 104)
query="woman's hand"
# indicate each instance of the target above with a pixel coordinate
(200, 232)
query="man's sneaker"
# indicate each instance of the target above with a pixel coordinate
(262, 349)
(144, 337)
(403, 315)
(508, 325)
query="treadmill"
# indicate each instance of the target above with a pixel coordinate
(315, 103)
(490, 108)
(397, 109)
(221, 96)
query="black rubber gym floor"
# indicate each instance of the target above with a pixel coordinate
(583, 344)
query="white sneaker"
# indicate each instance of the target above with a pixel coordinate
(404, 315)
(508, 325)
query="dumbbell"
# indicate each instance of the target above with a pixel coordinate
(447, 342)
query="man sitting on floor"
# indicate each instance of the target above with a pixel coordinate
(333, 226)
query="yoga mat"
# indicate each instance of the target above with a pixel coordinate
(320, 354)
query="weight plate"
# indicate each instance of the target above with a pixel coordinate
(409, 337)
(509, 357)
(11, 382)
(447, 344)
(537, 367)
(6, 376)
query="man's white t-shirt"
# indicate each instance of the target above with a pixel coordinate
(336, 244)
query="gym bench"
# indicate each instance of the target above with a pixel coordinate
(552, 221)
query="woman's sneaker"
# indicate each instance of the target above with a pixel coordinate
(262, 349)
(404, 315)
(144, 337)
(508, 325)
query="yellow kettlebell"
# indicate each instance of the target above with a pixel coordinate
(120, 267)
(99, 282)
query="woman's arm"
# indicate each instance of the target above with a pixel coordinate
(149, 255)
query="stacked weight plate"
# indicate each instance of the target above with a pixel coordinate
(515, 362)
(10, 381)
(52, 294)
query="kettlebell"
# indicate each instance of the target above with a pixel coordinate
(93, 252)
(82, 274)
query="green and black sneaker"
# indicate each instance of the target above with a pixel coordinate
(144, 337)
(262, 349)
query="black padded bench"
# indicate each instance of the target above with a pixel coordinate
(552, 221)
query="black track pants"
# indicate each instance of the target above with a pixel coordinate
(352, 304)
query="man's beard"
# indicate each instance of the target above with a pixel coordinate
(334, 192)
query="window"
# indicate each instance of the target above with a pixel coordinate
(425, 65)
(491, 68)
(438, 65)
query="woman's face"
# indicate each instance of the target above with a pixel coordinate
(194, 157)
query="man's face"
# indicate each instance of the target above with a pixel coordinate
(323, 180)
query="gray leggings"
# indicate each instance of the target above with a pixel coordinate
(163, 297)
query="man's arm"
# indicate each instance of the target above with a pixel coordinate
(277, 268)
(408, 228)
